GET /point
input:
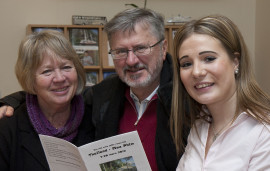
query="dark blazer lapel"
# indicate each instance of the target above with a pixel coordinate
(30, 140)
(108, 106)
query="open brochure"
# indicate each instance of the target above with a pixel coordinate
(121, 152)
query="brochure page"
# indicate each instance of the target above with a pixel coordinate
(118, 153)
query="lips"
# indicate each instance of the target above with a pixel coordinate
(134, 70)
(60, 89)
(204, 85)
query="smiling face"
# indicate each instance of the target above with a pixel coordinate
(206, 69)
(139, 71)
(55, 81)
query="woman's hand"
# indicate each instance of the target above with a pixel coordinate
(6, 111)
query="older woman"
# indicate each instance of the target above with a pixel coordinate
(49, 70)
(216, 93)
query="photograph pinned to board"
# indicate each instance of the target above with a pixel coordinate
(86, 44)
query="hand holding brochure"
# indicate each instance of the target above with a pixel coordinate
(120, 152)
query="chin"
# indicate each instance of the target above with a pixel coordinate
(63, 100)
(138, 83)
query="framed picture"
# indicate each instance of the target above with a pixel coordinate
(110, 60)
(39, 29)
(85, 41)
(88, 20)
(91, 78)
(106, 74)
(88, 57)
(173, 33)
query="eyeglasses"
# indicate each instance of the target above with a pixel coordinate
(140, 50)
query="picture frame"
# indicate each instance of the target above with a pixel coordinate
(39, 29)
(91, 78)
(174, 31)
(88, 20)
(88, 57)
(110, 59)
(108, 73)
(85, 41)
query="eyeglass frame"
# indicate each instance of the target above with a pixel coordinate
(134, 51)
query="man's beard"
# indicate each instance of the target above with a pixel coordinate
(134, 80)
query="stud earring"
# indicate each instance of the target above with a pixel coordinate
(236, 71)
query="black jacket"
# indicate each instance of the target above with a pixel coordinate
(20, 147)
(105, 102)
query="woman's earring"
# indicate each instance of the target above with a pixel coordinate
(236, 71)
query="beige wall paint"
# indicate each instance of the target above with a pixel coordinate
(16, 14)
(262, 44)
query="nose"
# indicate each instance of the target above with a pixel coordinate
(59, 76)
(132, 59)
(198, 70)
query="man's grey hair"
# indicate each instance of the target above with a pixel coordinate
(128, 19)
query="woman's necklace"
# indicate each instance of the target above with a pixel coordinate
(216, 134)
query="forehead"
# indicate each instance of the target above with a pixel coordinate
(50, 57)
(140, 35)
(200, 42)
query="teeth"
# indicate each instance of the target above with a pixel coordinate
(62, 89)
(203, 85)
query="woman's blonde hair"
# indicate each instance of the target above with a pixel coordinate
(32, 50)
(250, 97)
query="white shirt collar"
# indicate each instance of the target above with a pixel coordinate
(141, 107)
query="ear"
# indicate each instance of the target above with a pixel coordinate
(165, 48)
(236, 60)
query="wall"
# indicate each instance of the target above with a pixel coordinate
(262, 43)
(16, 14)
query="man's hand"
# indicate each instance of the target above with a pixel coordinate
(6, 111)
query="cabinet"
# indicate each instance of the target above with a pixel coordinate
(91, 45)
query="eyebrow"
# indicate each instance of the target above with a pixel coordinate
(201, 53)
(185, 56)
